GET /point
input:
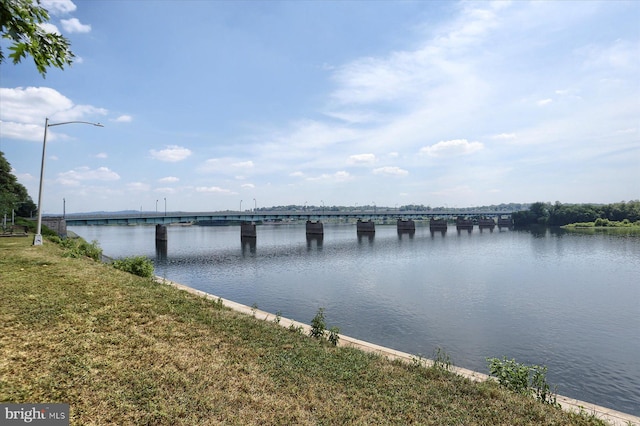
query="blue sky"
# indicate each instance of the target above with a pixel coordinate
(207, 103)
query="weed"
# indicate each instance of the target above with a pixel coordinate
(441, 359)
(522, 378)
(141, 266)
(333, 337)
(318, 325)
(296, 329)
(417, 361)
(77, 247)
(278, 317)
(254, 308)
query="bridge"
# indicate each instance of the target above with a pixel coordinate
(365, 219)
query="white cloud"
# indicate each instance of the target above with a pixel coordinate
(123, 119)
(169, 179)
(171, 154)
(24, 109)
(138, 187)
(504, 136)
(28, 132)
(390, 171)
(543, 102)
(74, 25)
(296, 174)
(214, 189)
(341, 176)
(243, 165)
(620, 55)
(362, 159)
(76, 176)
(248, 185)
(58, 7)
(451, 148)
(49, 28)
(165, 190)
(101, 155)
(227, 166)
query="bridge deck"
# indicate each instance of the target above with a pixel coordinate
(231, 216)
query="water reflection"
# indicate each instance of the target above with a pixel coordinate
(368, 236)
(314, 241)
(406, 233)
(248, 246)
(162, 249)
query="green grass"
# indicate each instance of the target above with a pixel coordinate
(121, 349)
(605, 224)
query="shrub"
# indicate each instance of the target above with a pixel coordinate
(318, 325)
(77, 247)
(334, 337)
(137, 265)
(522, 378)
(319, 329)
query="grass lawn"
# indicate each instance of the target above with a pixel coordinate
(124, 350)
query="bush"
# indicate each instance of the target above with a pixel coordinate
(319, 329)
(77, 247)
(522, 378)
(318, 326)
(141, 266)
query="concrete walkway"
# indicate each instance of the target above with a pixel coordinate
(613, 417)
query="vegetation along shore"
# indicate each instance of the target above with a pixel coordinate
(122, 349)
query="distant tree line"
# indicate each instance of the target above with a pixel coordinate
(13, 195)
(559, 214)
(510, 207)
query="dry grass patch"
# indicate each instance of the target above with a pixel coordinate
(121, 349)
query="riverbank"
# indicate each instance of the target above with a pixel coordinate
(125, 350)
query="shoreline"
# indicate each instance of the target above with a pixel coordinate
(613, 417)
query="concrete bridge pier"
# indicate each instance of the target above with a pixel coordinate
(486, 223)
(505, 222)
(406, 225)
(161, 233)
(463, 223)
(438, 225)
(368, 227)
(247, 230)
(315, 228)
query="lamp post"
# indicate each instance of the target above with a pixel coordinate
(165, 206)
(37, 240)
(156, 207)
(240, 206)
(255, 205)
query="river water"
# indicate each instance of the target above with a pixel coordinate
(570, 301)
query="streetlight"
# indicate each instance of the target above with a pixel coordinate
(255, 205)
(322, 206)
(37, 240)
(156, 207)
(240, 206)
(165, 206)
